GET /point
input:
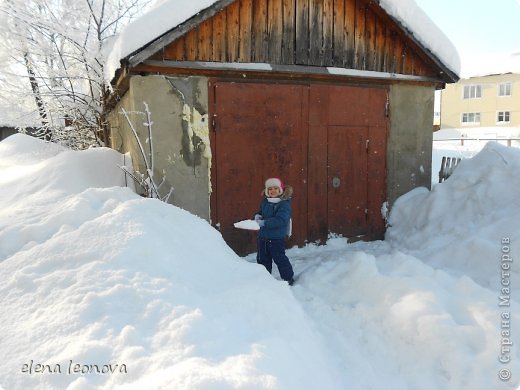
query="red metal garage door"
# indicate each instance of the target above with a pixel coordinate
(347, 180)
(347, 146)
(329, 142)
(258, 133)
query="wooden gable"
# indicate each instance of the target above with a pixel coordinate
(352, 34)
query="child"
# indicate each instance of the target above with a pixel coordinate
(273, 218)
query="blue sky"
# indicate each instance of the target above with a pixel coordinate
(477, 26)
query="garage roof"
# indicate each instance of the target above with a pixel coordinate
(170, 19)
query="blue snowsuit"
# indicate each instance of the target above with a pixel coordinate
(271, 237)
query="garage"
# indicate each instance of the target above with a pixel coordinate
(334, 97)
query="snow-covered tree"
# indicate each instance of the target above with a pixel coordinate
(53, 50)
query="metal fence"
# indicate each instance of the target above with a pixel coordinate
(448, 165)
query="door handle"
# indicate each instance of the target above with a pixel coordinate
(336, 182)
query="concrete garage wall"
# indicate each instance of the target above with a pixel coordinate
(409, 152)
(182, 153)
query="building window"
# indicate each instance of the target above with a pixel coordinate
(471, 118)
(504, 117)
(472, 91)
(504, 89)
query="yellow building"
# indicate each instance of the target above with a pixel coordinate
(485, 101)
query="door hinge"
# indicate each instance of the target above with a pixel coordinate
(366, 214)
(214, 122)
(387, 107)
(367, 144)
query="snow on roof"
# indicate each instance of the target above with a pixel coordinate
(168, 14)
(164, 16)
(431, 37)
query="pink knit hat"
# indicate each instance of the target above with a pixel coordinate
(274, 182)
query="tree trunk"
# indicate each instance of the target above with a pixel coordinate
(47, 134)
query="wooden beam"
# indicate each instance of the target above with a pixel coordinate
(287, 72)
(316, 33)
(339, 40)
(360, 38)
(191, 45)
(302, 32)
(175, 51)
(382, 51)
(233, 32)
(328, 32)
(260, 44)
(246, 22)
(219, 37)
(206, 40)
(370, 40)
(289, 31)
(350, 33)
(275, 31)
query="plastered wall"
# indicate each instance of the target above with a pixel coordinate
(178, 113)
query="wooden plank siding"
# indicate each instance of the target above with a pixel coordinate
(288, 31)
(353, 34)
(244, 27)
(302, 32)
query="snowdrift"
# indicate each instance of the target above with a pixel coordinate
(97, 278)
(460, 224)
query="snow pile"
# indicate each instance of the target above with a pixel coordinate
(38, 177)
(460, 224)
(95, 277)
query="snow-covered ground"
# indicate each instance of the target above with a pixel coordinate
(96, 277)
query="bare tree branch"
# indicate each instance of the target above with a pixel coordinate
(60, 46)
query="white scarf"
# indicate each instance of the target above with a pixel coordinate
(274, 200)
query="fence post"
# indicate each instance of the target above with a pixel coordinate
(441, 172)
